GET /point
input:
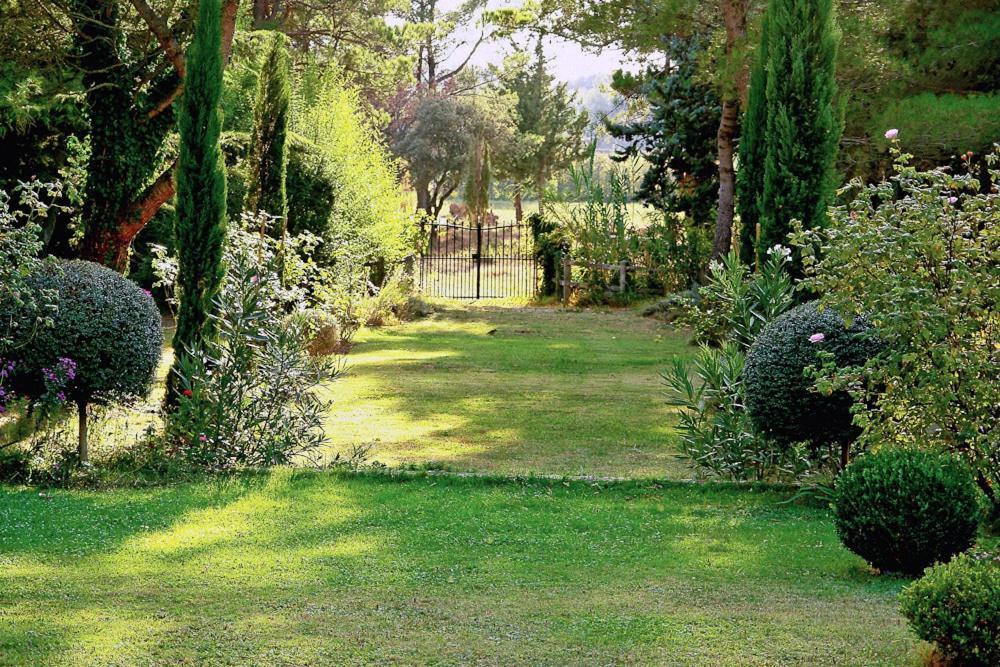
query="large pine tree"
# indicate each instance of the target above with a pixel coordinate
(201, 187)
(800, 119)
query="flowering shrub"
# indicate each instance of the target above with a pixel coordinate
(20, 245)
(103, 346)
(917, 255)
(717, 434)
(251, 398)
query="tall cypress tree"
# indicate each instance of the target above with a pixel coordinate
(802, 123)
(201, 187)
(268, 156)
(750, 177)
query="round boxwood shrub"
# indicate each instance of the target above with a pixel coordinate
(107, 325)
(904, 509)
(957, 606)
(779, 398)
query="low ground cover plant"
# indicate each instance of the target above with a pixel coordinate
(956, 606)
(903, 509)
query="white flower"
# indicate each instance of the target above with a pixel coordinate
(891, 134)
(778, 249)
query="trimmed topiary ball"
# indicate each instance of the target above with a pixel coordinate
(106, 325)
(904, 509)
(778, 394)
(957, 606)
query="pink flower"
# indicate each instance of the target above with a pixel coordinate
(891, 134)
(952, 200)
(254, 279)
(817, 338)
(202, 437)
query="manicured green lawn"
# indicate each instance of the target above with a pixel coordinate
(514, 390)
(320, 569)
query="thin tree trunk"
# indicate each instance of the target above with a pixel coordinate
(734, 16)
(727, 179)
(81, 410)
(518, 208)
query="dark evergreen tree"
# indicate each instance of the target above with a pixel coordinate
(201, 187)
(803, 123)
(750, 177)
(678, 137)
(268, 159)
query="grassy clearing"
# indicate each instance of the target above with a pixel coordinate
(319, 569)
(514, 390)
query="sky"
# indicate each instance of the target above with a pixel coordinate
(567, 61)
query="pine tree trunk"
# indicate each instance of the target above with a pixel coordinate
(734, 16)
(727, 179)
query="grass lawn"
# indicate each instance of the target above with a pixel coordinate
(514, 390)
(321, 569)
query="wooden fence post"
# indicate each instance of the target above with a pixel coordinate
(567, 275)
(622, 276)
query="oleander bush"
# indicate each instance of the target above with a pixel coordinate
(956, 606)
(903, 509)
(780, 395)
(251, 397)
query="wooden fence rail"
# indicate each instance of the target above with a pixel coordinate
(623, 268)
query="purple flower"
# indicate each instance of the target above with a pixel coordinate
(817, 338)
(61, 396)
(952, 200)
(891, 134)
(147, 292)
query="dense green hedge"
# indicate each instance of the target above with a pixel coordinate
(957, 606)
(779, 394)
(905, 509)
(103, 321)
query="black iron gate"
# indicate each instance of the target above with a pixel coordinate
(464, 260)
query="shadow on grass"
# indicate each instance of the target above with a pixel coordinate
(539, 391)
(322, 569)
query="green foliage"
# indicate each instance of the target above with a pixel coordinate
(677, 138)
(717, 434)
(547, 249)
(753, 150)
(957, 606)
(938, 126)
(268, 161)
(201, 188)
(125, 140)
(249, 397)
(26, 309)
(781, 399)
(103, 322)
(917, 255)
(548, 127)
(803, 126)
(904, 509)
(368, 222)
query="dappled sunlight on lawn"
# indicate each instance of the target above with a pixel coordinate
(312, 568)
(513, 390)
